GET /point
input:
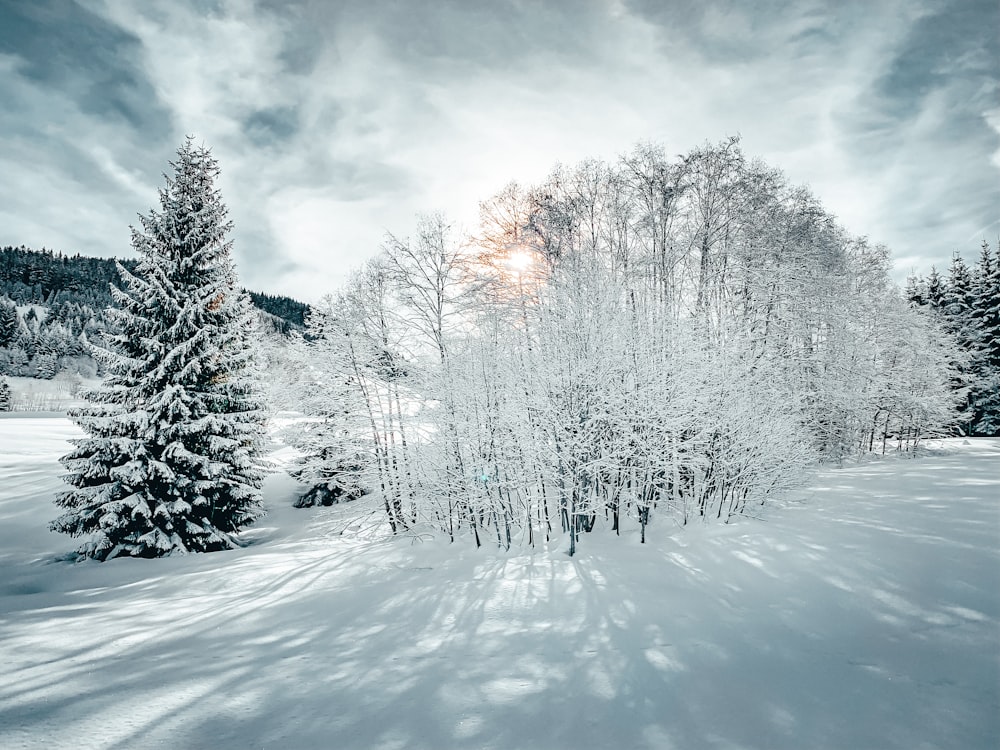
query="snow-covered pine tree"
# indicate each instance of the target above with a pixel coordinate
(985, 315)
(46, 365)
(6, 397)
(172, 459)
(957, 302)
(936, 288)
(9, 322)
(914, 290)
(333, 460)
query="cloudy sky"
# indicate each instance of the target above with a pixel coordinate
(335, 121)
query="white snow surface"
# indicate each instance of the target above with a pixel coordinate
(866, 614)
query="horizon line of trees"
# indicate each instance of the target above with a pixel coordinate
(47, 277)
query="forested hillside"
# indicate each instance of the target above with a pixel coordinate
(52, 306)
(967, 300)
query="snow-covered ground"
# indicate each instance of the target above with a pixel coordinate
(865, 616)
(39, 395)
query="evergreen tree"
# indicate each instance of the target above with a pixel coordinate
(984, 400)
(957, 301)
(13, 361)
(914, 292)
(45, 365)
(172, 461)
(332, 462)
(6, 397)
(935, 289)
(8, 322)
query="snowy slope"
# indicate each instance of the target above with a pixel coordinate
(864, 617)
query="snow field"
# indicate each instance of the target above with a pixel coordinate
(865, 616)
(49, 396)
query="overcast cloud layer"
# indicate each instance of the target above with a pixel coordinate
(337, 121)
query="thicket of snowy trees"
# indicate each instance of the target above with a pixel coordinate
(967, 303)
(653, 337)
(172, 458)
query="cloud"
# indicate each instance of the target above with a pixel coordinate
(334, 122)
(64, 158)
(75, 53)
(884, 109)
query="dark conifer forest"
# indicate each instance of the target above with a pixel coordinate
(53, 305)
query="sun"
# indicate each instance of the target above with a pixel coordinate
(518, 261)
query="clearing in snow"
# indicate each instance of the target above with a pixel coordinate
(864, 616)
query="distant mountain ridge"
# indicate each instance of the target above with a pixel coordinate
(54, 306)
(44, 277)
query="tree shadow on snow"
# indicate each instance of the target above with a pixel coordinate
(849, 622)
